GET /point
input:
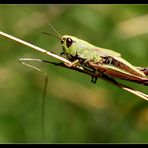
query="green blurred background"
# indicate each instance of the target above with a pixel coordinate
(76, 111)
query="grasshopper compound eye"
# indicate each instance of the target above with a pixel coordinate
(69, 42)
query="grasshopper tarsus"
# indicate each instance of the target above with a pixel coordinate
(61, 53)
(94, 79)
(145, 82)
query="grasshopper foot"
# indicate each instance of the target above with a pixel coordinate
(61, 53)
(94, 79)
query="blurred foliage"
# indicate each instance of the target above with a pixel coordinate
(77, 111)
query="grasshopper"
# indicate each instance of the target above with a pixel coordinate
(103, 62)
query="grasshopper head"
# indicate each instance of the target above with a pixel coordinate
(69, 44)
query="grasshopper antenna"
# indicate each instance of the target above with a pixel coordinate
(54, 30)
(46, 33)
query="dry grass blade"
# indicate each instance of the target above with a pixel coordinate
(34, 47)
(135, 92)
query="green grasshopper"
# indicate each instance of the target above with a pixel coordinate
(103, 62)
